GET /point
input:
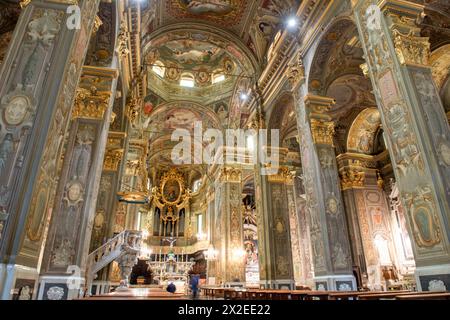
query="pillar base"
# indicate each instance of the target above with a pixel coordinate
(60, 287)
(335, 283)
(284, 284)
(433, 278)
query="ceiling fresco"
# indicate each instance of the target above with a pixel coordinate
(196, 52)
(226, 13)
(178, 115)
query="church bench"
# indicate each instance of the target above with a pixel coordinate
(348, 295)
(385, 295)
(426, 296)
(317, 295)
(232, 294)
(299, 294)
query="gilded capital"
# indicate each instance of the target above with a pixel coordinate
(90, 103)
(411, 49)
(284, 175)
(112, 159)
(322, 131)
(352, 177)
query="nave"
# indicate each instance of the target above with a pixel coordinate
(267, 149)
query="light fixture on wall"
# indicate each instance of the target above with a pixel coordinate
(201, 236)
(210, 254)
(238, 254)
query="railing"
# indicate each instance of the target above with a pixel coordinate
(125, 242)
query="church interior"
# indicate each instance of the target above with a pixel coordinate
(266, 149)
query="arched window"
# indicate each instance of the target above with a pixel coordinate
(159, 69)
(218, 77)
(187, 80)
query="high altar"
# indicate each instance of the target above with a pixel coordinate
(169, 202)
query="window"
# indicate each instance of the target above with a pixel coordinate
(200, 223)
(197, 184)
(250, 142)
(218, 77)
(159, 69)
(187, 80)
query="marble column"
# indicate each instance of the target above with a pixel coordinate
(328, 228)
(231, 251)
(305, 277)
(416, 128)
(70, 229)
(109, 183)
(39, 77)
(353, 182)
(274, 238)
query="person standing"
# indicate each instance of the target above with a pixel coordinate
(194, 286)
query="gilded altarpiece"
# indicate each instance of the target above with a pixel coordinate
(417, 132)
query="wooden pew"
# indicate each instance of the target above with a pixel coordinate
(425, 296)
(393, 295)
(299, 294)
(347, 295)
(318, 295)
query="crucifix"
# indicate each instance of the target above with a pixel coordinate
(170, 240)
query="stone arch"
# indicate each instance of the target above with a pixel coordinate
(362, 136)
(336, 54)
(440, 64)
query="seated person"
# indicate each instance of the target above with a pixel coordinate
(171, 288)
